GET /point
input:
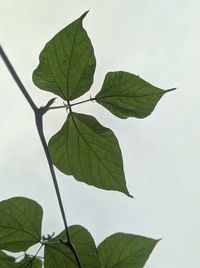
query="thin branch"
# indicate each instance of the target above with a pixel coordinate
(33, 257)
(69, 104)
(57, 107)
(39, 123)
(80, 102)
(75, 254)
(39, 112)
(30, 262)
(17, 80)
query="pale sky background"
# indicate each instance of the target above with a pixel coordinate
(156, 39)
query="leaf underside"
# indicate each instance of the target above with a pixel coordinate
(58, 255)
(67, 63)
(6, 261)
(125, 251)
(119, 250)
(127, 95)
(83, 148)
(90, 152)
(20, 224)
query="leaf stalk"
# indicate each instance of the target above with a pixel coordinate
(69, 105)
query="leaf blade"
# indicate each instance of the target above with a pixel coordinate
(90, 152)
(67, 63)
(20, 224)
(127, 95)
(125, 251)
(6, 261)
(57, 255)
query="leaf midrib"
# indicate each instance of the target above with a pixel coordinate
(70, 57)
(121, 187)
(127, 96)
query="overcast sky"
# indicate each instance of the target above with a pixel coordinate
(156, 39)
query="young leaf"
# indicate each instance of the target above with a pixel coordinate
(67, 63)
(127, 95)
(7, 261)
(125, 251)
(90, 152)
(58, 255)
(20, 224)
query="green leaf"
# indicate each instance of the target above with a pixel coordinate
(30, 262)
(127, 95)
(6, 261)
(90, 152)
(67, 63)
(20, 224)
(58, 255)
(125, 251)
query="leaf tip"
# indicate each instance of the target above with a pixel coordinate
(84, 14)
(129, 195)
(171, 89)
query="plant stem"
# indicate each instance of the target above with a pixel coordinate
(39, 112)
(57, 107)
(17, 80)
(39, 123)
(70, 105)
(33, 257)
(80, 102)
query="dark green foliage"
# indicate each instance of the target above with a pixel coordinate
(82, 148)
(127, 95)
(119, 250)
(20, 224)
(67, 63)
(90, 152)
(6, 261)
(58, 255)
(125, 251)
